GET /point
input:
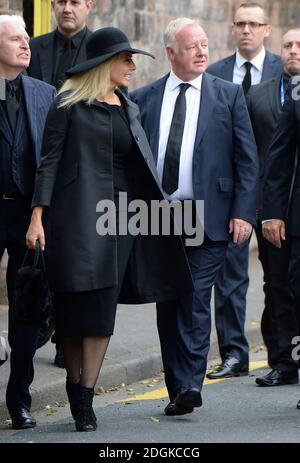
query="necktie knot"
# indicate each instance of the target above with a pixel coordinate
(184, 87)
(248, 66)
(10, 90)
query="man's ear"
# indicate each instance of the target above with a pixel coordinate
(268, 30)
(89, 5)
(170, 53)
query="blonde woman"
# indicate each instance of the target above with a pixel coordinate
(94, 148)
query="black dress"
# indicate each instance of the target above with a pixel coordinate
(92, 313)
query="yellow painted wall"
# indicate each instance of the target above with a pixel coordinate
(42, 17)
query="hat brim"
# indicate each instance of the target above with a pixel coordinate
(91, 63)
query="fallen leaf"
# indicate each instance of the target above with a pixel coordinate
(154, 420)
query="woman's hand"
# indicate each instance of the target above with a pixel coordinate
(36, 229)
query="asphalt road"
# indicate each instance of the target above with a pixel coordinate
(234, 411)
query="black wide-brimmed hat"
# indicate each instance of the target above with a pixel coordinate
(102, 45)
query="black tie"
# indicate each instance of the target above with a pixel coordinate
(247, 79)
(12, 104)
(64, 63)
(172, 156)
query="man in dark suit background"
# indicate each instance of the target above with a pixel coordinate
(22, 119)
(282, 186)
(51, 56)
(279, 324)
(54, 53)
(249, 65)
(217, 164)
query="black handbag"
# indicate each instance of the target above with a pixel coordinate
(32, 303)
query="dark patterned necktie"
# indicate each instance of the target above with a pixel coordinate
(12, 104)
(247, 82)
(172, 156)
(65, 62)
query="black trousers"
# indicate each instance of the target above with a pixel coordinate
(294, 276)
(14, 220)
(278, 324)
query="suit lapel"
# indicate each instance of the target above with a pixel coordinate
(274, 102)
(81, 54)
(31, 108)
(209, 92)
(227, 70)
(268, 71)
(47, 58)
(5, 127)
(154, 104)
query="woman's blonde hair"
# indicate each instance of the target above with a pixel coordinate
(87, 85)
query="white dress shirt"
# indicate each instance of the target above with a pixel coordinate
(193, 96)
(239, 70)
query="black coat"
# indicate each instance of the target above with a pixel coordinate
(43, 60)
(282, 185)
(75, 174)
(264, 109)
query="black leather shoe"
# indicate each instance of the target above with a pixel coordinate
(278, 378)
(229, 368)
(172, 409)
(298, 405)
(188, 398)
(21, 419)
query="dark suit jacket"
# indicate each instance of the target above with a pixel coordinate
(224, 68)
(281, 172)
(38, 98)
(264, 108)
(75, 174)
(225, 163)
(42, 61)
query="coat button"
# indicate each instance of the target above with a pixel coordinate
(137, 138)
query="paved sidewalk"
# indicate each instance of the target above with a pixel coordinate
(133, 353)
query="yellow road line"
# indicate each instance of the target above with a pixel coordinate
(162, 393)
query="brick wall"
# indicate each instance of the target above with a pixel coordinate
(11, 6)
(145, 20)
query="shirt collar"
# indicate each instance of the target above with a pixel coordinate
(257, 61)
(174, 81)
(16, 83)
(76, 39)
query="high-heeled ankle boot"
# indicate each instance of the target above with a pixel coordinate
(85, 419)
(73, 396)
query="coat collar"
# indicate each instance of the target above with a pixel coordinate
(228, 68)
(47, 57)
(273, 94)
(30, 97)
(209, 93)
